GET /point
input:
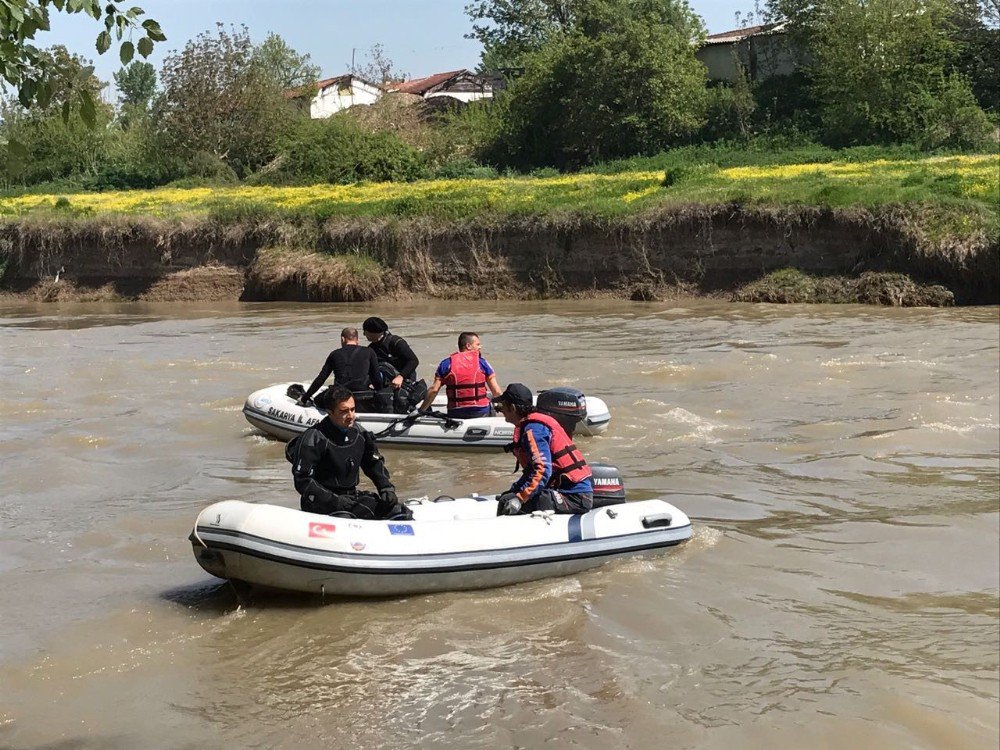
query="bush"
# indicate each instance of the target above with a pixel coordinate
(126, 177)
(463, 167)
(785, 104)
(728, 111)
(789, 285)
(954, 119)
(338, 151)
(210, 167)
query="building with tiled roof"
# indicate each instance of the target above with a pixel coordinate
(463, 85)
(331, 95)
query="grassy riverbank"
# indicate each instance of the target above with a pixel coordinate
(661, 221)
(967, 185)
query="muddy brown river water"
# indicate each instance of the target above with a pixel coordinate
(841, 466)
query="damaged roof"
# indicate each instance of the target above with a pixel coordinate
(737, 35)
(421, 86)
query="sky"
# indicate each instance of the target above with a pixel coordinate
(420, 36)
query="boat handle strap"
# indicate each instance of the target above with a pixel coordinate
(657, 521)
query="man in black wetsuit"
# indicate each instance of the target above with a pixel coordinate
(391, 349)
(325, 462)
(400, 389)
(354, 367)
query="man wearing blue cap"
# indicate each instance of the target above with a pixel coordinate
(554, 474)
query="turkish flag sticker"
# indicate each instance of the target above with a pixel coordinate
(322, 530)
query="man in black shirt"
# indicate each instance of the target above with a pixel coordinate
(354, 367)
(391, 349)
(326, 459)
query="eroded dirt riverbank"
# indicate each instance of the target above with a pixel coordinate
(714, 251)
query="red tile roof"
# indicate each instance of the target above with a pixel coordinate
(422, 85)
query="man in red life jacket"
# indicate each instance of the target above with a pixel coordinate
(466, 376)
(555, 476)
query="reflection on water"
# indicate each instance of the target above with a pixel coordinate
(840, 465)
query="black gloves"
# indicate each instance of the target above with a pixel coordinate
(304, 401)
(388, 495)
(508, 504)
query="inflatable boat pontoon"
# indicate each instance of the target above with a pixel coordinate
(450, 544)
(274, 413)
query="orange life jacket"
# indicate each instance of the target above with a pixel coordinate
(465, 382)
(568, 466)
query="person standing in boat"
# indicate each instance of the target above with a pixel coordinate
(466, 376)
(554, 475)
(353, 366)
(326, 460)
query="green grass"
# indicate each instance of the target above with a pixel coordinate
(948, 196)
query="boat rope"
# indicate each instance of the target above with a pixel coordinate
(547, 515)
(194, 533)
(407, 419)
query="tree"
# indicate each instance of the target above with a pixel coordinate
(136, 84)
(880, 69)
(622, 81)
(26, 68)
(977, 37)
(289, 69)
(219, 103)
(50, 146)
(511, 29)
(378, 67)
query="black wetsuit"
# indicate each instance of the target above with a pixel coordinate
(394, 350)
(325, 464)
(354, 367)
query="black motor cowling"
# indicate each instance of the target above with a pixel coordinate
(566, 405)
(609, 488)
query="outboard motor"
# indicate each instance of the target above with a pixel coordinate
(609, 488)
(566, 405)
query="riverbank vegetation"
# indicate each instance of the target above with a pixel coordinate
(710, 176)
(884, 121)
(789, 285)
(302, 274)
(587, 85)
(949, 197)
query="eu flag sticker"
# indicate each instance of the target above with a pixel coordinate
(403, 529)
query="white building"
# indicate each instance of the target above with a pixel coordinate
(341, 92)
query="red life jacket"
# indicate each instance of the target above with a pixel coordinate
(568, 465)
(466, 382)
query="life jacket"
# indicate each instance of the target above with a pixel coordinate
(568, 466)
(466, 382)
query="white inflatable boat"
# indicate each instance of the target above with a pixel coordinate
(276, 414)
(450, 544)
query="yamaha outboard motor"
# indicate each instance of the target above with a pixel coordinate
(609, 488)
(566, 405)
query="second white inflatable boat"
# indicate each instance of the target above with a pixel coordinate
(274, 413)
